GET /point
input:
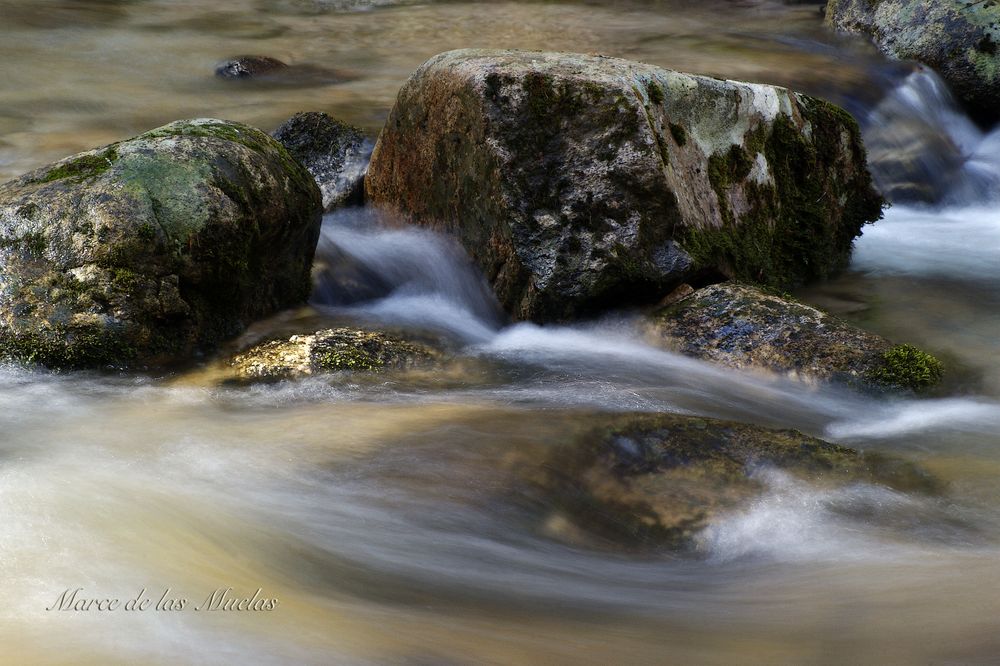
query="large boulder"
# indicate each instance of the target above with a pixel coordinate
(958, 38)
(581, 182)
(153, 249)
(744, 327)
(655, 481)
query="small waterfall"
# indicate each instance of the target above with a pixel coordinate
(923, 148)
(367, 267)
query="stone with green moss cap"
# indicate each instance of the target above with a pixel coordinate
(330, 350)
(960, 39)
(745, 327)
(153, 249)
(655, 481)
(581, 182)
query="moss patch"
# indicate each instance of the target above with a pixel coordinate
(799, 228)
(679, 134)
(82, 167)
(908, 367)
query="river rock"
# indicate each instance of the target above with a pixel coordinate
(153, 249)
(744, 327)
(960, 39)
(248, 66)
(336, 154)
(655, 481)
(581, 182)
(330, 350)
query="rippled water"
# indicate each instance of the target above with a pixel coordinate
(385, 513)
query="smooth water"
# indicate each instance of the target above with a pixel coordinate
(386, 513)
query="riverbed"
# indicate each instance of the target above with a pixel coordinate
(384, 513)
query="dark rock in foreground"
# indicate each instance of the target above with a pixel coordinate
(153, 249)
(579, 182)
(336, 154)
(744, 327)
(960, 39)
(655, 481)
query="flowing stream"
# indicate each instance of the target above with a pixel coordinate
(384, 513)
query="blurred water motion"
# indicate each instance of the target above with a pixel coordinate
(385, 514)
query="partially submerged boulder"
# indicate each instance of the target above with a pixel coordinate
(580, 182)
(330, 350)
(655, 481)
(153, 249)
(960, 39)
(257, 70)
(335, 153)
(248, 66)
(741, 326)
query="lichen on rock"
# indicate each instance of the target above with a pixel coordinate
(326, 351)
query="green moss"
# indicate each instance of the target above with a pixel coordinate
(797, 229)
(655, 92)
(81, 168)
(347, 358)
(679, 134)
(68, 348)
(247, 136)
(908, 367)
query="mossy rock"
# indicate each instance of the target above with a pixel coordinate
(335, 153)
(959, 39)
(655, 481)
(153, 250)
(327, 351)
(746, 327)
(580, 183)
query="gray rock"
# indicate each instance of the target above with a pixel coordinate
(336, 154)
(581, 182)
(744, 327)
(153, 249)
(960, 39)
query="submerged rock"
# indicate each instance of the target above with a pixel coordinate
(581, 182)
(744, 327)
(330, 350)
(336, 154)
(655, 481)
(960, 39)
(153, 249)
(248, 66)
(270, 71)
